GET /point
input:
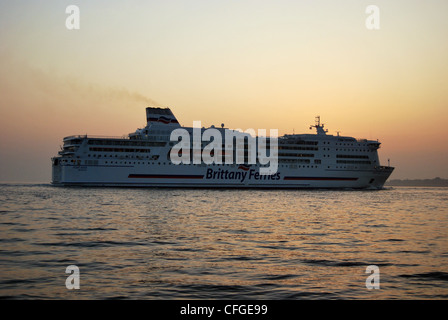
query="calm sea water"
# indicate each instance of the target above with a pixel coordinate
(222, 244)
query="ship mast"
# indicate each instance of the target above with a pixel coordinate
(319, 127)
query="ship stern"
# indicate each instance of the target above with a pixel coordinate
(56, 170)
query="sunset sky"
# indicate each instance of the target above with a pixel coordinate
(247, 64)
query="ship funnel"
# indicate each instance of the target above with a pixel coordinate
(161, 116)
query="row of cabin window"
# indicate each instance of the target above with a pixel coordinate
(95, 162)
(90, 162)
(115, 156)
(118, 150)
(346, 144)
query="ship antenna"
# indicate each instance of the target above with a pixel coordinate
(319, 127)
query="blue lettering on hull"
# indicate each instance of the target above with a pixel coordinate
(241, 176)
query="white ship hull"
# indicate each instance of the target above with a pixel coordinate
(227, 176)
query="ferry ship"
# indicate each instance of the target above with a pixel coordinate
(142, 159)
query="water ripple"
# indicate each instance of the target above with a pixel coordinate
(222, 244)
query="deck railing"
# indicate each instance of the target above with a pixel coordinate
(95, 137)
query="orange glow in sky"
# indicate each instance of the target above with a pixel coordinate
(247, 64)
